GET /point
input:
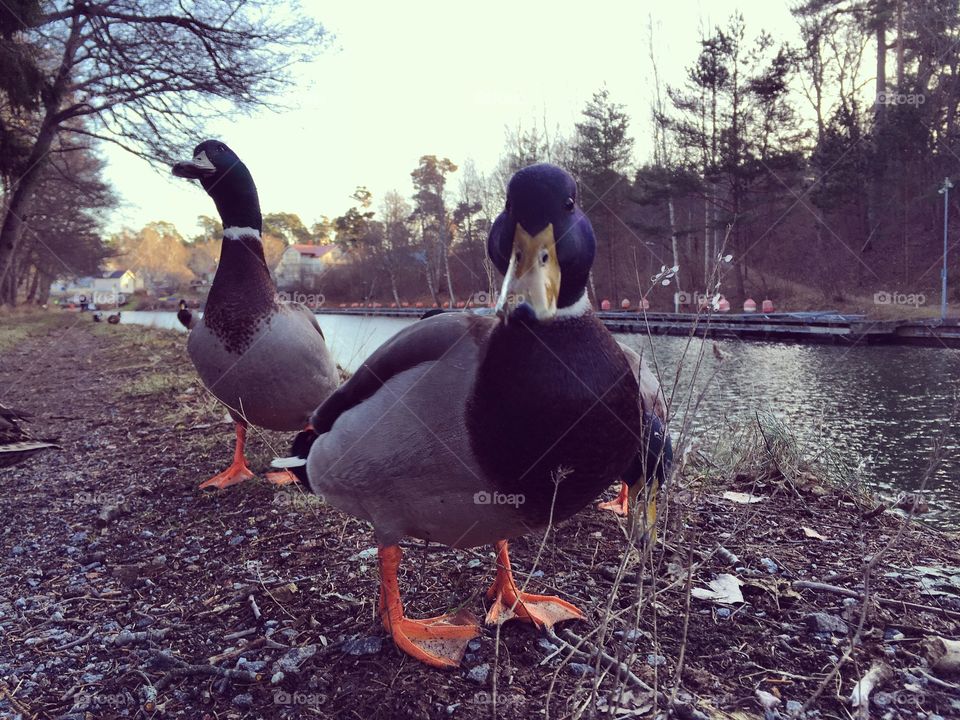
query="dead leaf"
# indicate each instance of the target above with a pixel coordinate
(742, 498)
(811, 533)
(725, 590)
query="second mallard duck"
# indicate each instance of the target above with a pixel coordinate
(266, 360)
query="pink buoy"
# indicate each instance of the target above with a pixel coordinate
(644, 305)
(768, 306)
(625, 304)
(461, 304)
(604, 304)
(419, 305)
(724, 305)
(749, 305)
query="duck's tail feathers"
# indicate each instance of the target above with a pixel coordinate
(296, 462)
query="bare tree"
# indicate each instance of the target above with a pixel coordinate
(144, 75)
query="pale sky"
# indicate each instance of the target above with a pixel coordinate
(405, 79)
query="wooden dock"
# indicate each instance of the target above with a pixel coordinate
(801, 327)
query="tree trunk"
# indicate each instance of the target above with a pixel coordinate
(673, 247)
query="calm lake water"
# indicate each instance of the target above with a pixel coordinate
(879, 406)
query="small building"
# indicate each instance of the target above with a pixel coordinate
(301, 266)
(113, 288)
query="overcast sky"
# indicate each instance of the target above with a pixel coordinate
(405, 79)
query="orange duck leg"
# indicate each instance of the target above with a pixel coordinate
(510, 603)
(438, 641)
(238, 470)
(619, 505)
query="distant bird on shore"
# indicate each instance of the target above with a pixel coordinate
(465, 429)
(185, 316)
(114, 319)
(650, 467)
(16, 444)
(266, 360)
(98, 316)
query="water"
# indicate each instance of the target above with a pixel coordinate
(882, 406)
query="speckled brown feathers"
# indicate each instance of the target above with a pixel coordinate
(243, 295)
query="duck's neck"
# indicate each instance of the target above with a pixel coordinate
(243, 280)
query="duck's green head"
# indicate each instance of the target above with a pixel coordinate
(543, 244)
(227, 180)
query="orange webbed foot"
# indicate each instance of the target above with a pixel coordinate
(438, 641)
(282, 477)
(509, 603)
(620, 505)
(233, 475)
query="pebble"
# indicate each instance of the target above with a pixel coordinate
(370, 645)
(365, 554)
(546, 646)
(793, 707)
(474, 645)
(580, 669)
(826, 623)
(723, 612)
(277, 678)
(237, 539)
(479, 674)
(292, 659)
(656, 660)
(243, 701)
(770, 566)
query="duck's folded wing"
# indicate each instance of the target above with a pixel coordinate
(425, 341)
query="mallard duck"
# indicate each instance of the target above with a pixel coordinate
(16, 444)
(184, 315)
(114, 319)
(650, 467)
(266, 360)
(466, 430)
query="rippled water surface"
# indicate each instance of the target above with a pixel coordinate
(882, 405)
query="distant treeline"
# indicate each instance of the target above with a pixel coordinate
(816, 167)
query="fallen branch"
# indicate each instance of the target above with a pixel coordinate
(846, 592)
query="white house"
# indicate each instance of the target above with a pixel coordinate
(302, 266)
(115, 287)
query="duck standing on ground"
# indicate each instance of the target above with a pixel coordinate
(185, 316)
(266, 360)
(466, 429)
(16, 444)
(114, 319)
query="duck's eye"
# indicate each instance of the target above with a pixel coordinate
(518, 256)
(544, 256)
(568, 204)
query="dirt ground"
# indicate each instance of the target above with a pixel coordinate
(130, 593)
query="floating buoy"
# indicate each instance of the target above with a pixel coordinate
(767, 306)
(724, 305)
(343, 305)
(419, 305)
(405, 304)
(625, 304)
(461, 304)
(604, 304)
(644, 305)
(353, 305)
(749, 305)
